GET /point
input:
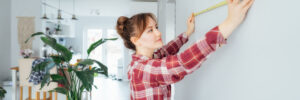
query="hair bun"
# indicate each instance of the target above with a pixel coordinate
(121, 24)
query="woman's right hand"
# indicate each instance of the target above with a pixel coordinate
(190, 25)
(237, 11)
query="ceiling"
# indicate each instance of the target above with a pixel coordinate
(103, 7)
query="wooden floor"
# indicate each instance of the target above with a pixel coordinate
(109, 89)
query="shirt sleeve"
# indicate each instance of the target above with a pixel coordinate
(173, 68)
(172, 47)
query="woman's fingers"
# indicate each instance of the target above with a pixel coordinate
(229, 1)
(236, 1)
(188, 20)
(248, 5)
(191, 18)
(190, 25)
(245, 3)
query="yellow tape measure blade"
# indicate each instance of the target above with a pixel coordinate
(211, 8)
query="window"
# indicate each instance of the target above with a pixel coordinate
(114, 51)
(94, 35)
(110, 53)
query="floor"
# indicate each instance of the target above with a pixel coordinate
(109, 89)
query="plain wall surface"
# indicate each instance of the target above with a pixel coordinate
(4, 40)
(24, 8)
(260, 60)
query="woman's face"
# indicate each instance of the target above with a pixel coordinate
(151, 37)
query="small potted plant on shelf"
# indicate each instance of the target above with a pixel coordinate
(73, 79)
(58, 29)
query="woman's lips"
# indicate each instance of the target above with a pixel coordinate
(158, 40)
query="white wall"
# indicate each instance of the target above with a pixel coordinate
(170, 25)
(27, 8)
(260, 61)
(142, 7)
(4, 40)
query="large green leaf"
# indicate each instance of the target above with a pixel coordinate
(57, 59)
(86, 62)
(34, 34)
(50, 65)
(103, 68)
(56, 77)
(45, 80)
(60, 90)
(87, 78)
(46, 65)
(66, 53)
(97, 43)
(51, 39)
(2, 93)
(41, 66)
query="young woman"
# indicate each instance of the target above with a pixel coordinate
(155, 67)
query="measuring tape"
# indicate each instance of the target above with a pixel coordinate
(211, 8)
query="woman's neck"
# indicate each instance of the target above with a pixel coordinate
(145, 52)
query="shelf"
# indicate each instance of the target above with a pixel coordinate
(67, 28)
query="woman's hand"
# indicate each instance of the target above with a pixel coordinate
(236, 14)
(190, 25)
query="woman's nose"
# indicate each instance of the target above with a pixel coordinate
(158, 33)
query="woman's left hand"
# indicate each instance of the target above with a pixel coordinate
(190, 25)
(237, 11)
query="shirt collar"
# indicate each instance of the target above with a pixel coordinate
(137, 57)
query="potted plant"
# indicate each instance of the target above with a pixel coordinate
(26, 53)
(73, 78)
(58, 29)
(2, 93)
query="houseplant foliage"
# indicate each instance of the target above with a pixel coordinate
(2, 92)
(73, 78)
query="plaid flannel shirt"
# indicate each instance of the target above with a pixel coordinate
(151, 78)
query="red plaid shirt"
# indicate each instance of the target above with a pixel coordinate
(151, 78)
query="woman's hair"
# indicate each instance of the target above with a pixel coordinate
(132, 27)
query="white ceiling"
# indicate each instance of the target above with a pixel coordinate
(104, 7)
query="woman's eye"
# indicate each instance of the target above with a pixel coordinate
(150, 30)
(156, 27)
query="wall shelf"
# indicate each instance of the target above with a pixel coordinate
(66, 28)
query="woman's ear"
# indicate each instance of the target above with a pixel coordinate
(134, 40)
